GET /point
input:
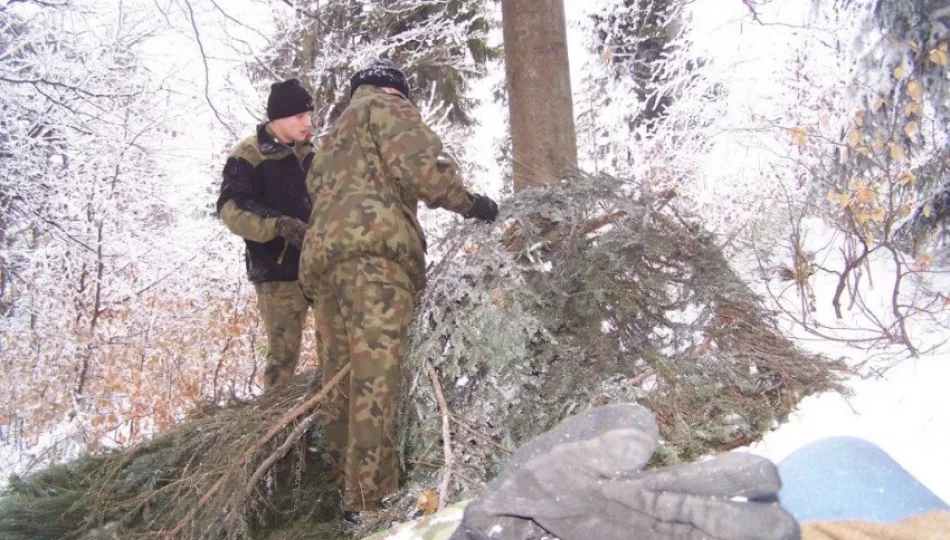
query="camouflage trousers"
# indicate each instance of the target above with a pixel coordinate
(363, 308)
(283, 307)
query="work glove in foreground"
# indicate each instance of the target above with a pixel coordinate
(583, 481)
(292, 230)
(483, 208)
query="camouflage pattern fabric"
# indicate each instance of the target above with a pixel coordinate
(438, 526)
(283, 308)
(248, 225)
(377, 162)
(363, 308)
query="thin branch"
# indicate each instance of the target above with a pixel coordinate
(462, 424)
(307, 14)
(236, 21)
(446, 434)
(755, 14)
(36, 2)
(57, 84)
(204, 60)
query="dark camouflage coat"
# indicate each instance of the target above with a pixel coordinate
(264, 180)
(378, 161)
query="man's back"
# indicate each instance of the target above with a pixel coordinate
(377, 162)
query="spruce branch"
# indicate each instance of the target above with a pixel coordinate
(251, 452)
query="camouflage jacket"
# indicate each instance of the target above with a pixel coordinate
(265, 179)
(375, 165)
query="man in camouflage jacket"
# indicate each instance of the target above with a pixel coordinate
(363, 262)
(264, 200)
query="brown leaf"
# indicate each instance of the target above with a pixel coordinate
(897, 153)
(865, 195)
(800, 136)
(878, 214)
(855, 137)
(428, 502)
(938, 57)
(911, 129)
(915, 89)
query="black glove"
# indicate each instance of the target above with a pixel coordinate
(292, 230)
(483, 208)
(583, 480)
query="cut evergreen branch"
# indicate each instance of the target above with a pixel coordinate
(584, 295)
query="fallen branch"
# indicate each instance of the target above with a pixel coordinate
(446, 434)
(251, 452)
(281, 451)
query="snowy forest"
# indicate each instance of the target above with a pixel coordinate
(748, 178)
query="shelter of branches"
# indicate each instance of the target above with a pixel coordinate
(584, 295)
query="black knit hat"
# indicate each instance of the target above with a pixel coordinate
(287, 99)
(381, 73)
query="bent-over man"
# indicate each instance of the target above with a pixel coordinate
(364, 261)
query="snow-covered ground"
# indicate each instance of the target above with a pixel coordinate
(905, 413)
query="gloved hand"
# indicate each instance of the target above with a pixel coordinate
(483, 208)
(583, 480)
(292, 230)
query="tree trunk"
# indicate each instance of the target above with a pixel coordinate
(539, 91)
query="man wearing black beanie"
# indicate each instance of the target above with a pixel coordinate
(264, 200)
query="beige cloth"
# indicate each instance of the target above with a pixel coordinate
(930, 526)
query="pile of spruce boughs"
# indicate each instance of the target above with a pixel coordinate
(587, 295)
(581, 295)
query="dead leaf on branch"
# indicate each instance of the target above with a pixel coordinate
(855, 137)
(878, 214)
(915, 89)
(800, 136)
(939, 57)
(859, 117)
(896, 152)
(911, 129)
(878, 104)
(865, 195)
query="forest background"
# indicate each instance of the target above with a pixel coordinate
(811, 135)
